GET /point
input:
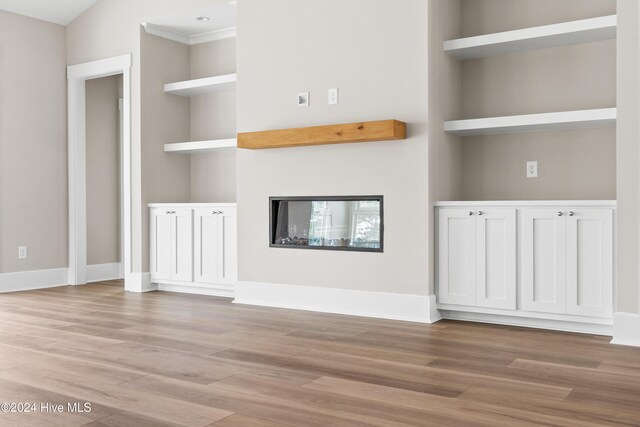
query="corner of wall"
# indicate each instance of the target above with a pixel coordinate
(626, 329)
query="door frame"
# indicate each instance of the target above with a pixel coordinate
(77, 75)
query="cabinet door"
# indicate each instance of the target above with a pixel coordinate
(228, 246)
(161, 244)
(590, 262)
(206, 239)
(543, 260)
(456, 256)
(496, 258)
(182, 256)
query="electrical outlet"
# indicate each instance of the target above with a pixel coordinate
(333, 96)
(22, 252)
(532, 169)
(303, 99)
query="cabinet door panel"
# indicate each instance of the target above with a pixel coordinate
(161, 244)
(543, 260)
(456, 256)
(228, 246)
(590, 262)
(183, 245)
(496, 259)
(206, 245)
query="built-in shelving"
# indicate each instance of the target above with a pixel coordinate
(532, 122)
(381, 130)
(200, 146)
(203, 86)
(565, 33)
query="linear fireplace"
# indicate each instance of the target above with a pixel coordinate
(344, 223)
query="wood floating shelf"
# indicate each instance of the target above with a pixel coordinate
(566, 33)
(382, 130)
(203, 86)
(533, 122)
(199, 146)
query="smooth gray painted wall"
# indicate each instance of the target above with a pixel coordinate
(33, 144)
(103, 170)
(376, 53)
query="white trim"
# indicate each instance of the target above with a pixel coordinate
(412, 308)
(159, 31)
(203, 86)
(29, 280)
(191, 205)
(102, 272)
(562, 34)
(77, 76)
(580, 119)
(626, 329)
(529, 322)
(528, 203)
(139, 282)
(198, 289)
(200, 146)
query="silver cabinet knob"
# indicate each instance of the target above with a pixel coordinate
(480, 213)
(560, 213)
(168, 212)
(571, 213)
(470, 213)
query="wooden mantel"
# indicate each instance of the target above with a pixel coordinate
(382, 130)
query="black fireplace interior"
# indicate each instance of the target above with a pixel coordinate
(346, 223)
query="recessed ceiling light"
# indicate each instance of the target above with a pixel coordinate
(202, 18)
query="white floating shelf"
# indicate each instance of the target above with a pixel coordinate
(533, 122)
(203, 86)
(200, 146)
(566, 33)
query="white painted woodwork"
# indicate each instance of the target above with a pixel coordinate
(546, 36)
(182, 256)
(196, 147)
(543, 260)
(456, 260)
(203, 86)
(590, 262)
(496, 258)
(228, 246)
(161, 244)
(194, 246)
(533, 122)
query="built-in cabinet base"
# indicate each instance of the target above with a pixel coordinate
(545, 264)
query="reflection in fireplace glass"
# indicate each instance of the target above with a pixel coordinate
(349, 223)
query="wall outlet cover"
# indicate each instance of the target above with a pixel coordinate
(22, 252)
(332, 96)
(532, 169)
(303, 99)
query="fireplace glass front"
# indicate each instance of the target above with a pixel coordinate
(353, 223)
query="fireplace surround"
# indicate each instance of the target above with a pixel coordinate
(339, 223)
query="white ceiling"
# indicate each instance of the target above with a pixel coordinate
(222, 16)
(57, 11)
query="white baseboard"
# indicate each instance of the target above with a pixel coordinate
(139, 282)
(412, 308)
(529, 322)
(626, 329)
(213, 291)
(37, 279)
(102, 272)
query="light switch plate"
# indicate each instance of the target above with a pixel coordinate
(22, 252)
(532, 169)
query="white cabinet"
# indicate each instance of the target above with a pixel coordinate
(477, 257)
(215, 255)
(542, 260)
(171, 244)
(194, 248)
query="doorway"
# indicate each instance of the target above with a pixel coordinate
(77, 76)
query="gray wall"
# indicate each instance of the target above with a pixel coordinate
(213, 175)
(572, 164)
(628, 152)
(376, 53)
(103, 169)
(33, 144)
